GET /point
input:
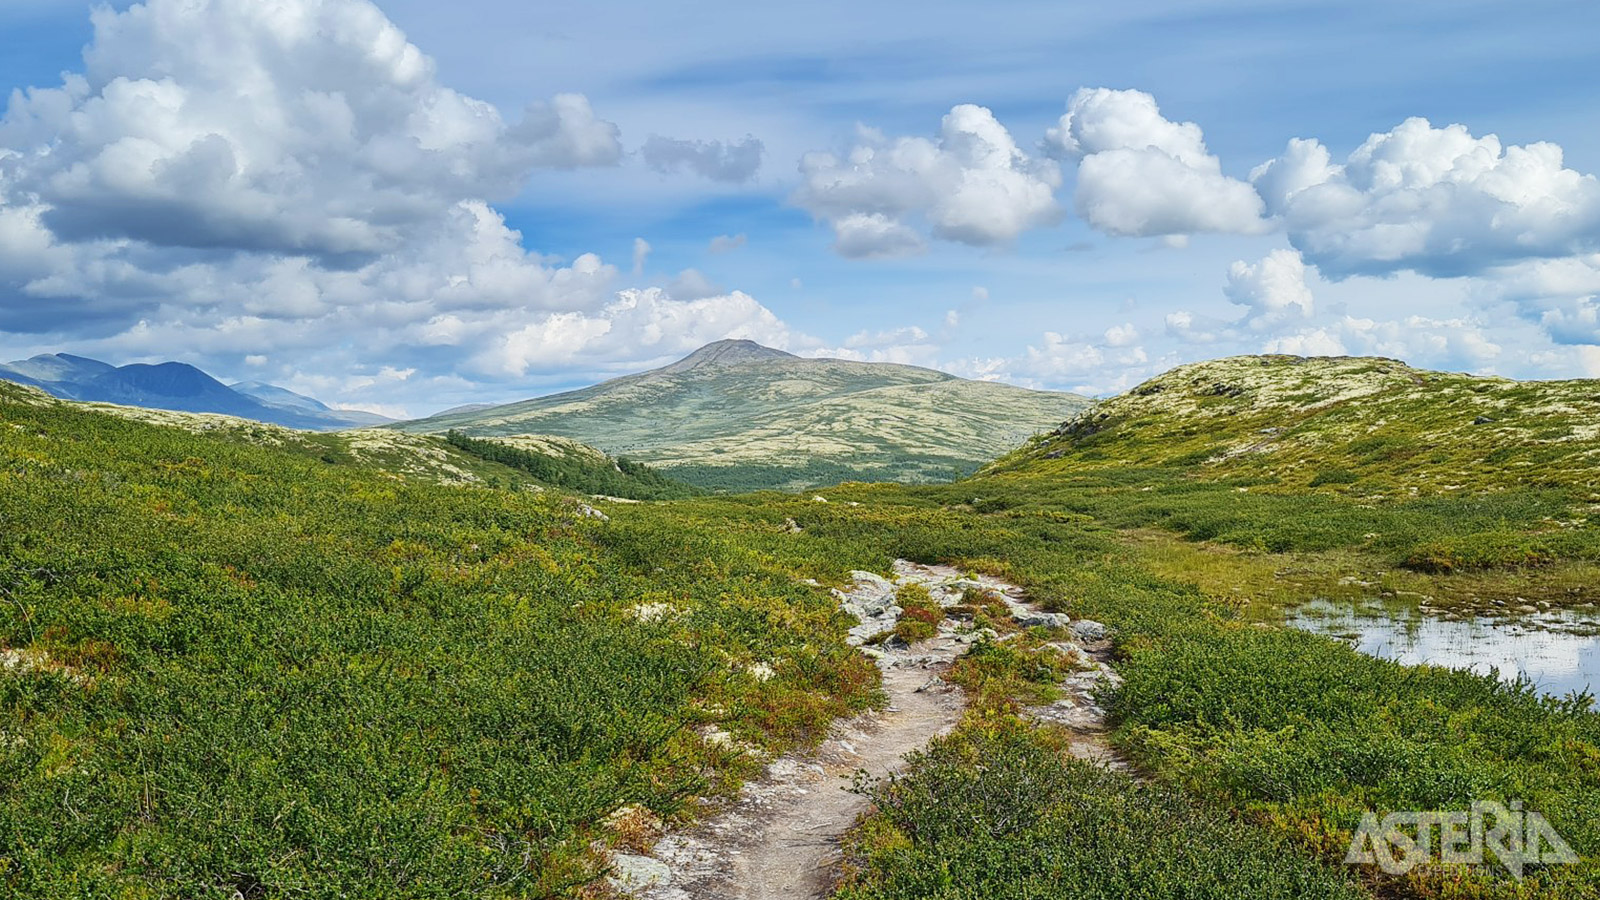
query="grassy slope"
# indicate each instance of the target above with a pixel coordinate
(1426, 470)
(1294, 732)
(1289, 734)
(233, 669)
(1254, 735)
(999, 811)
(785, 423)
(1375, 429)
(572, 465)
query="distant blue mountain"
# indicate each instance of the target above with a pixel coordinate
(55, 368)
(178, 386)
(283, 398)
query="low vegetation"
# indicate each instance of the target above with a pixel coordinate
(1294, 735)
(1003, 812)
(576, 468)
(1428, 471)
(232, 670)
(230, 664)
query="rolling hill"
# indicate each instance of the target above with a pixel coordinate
(252, 658)
(232, 653)
(736, 415)
(1365, 426)
(532, 462)
(178, 387)
(1402, 467)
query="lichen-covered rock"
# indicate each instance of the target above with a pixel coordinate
(1034, 619)
(870, 598)
(633, 873)
(655, 612)
(1089, 631)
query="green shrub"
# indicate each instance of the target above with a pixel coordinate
(255, 673)
(605, 476)
(1481, 551)
(1001, 812)
(920, 614)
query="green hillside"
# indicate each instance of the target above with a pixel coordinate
(243, 661)
(738, 416)
(230, 667)
(1371, 428)
(528, 461)
(1433, 471)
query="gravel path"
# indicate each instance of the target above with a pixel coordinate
(780, 839)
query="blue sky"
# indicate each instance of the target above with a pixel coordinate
(1059, 195)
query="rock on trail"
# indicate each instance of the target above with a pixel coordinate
(779, 840)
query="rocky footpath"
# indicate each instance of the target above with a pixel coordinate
(780, 837)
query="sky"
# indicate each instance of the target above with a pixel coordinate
(404, 206)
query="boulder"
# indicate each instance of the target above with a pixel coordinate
(634, 873)
(1028, 618)
(1089, 631)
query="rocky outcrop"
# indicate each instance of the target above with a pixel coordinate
(873, 600)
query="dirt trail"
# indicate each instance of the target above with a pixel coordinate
(780, 839)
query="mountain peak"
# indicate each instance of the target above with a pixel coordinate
(727, 353)
(179, 387)
(48, 367)
(168, 379)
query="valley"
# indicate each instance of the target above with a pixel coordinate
(235, 651)
(740, 451)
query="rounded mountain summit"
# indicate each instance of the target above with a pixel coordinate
(736, 415)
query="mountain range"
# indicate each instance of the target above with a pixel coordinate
(733, 415)
(179, 387)
(213, 623)
(737, 415)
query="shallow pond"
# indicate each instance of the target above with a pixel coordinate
(1558, 651)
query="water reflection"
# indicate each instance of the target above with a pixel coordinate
(1559, 652)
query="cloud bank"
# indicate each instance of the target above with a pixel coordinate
(1141, 175)
(255, 184)
(734, 163)
(972, 184)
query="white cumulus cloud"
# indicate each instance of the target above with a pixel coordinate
(1272, 291)
(870, 235)
(1066, 362)
(647, 323)
(1276, 301)
(289, 187)
(1140, 174)
(972, 184)
(306, 126)
(1313, 342)
(1462, 343)
(907, 346)
(1561, 295)
(1437, 201)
